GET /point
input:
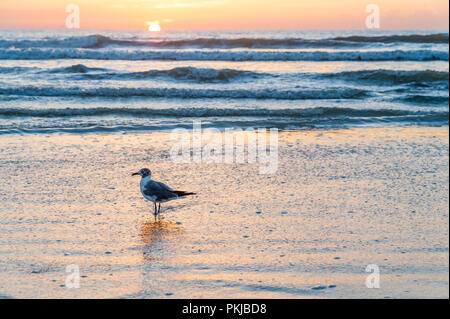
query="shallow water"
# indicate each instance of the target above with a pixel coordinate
(339, 201)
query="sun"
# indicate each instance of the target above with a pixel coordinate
(154, 27)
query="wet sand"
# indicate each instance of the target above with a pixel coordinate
(339, 201)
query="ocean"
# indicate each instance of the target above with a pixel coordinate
(116, 82)
(360, 191)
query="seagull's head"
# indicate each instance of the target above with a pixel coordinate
(144, 172)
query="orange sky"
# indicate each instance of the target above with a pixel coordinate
(225, 14)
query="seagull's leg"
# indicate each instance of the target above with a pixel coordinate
(159, 208)
(154, 211)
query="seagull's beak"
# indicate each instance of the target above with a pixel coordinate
(134, 174)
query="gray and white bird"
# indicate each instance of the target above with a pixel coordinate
(157, 192)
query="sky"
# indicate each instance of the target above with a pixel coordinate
(183, 15)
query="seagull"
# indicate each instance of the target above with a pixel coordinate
(157, 192)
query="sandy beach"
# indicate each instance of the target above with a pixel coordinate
(340, 200)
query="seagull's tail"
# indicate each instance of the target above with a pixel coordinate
(182, 193)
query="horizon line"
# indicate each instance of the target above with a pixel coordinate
(222, 30)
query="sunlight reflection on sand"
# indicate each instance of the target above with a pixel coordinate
(355, 197)
(155, 232)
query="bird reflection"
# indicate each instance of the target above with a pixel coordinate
(154, 233)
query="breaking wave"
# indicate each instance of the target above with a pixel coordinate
(337, 93)
(211, 112)
(420, 99)
(180, 74)
(218, 55)
(100, 41)
(411, 38)
(389, 77)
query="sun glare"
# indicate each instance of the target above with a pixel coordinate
(154, 27)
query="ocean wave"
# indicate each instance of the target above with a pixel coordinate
(208, 75)
(279, 123)
(389, 77)
(330, 93)
(70, 42)
(410, 38)
(241, 55)
(76, 68)
(419, 99)
(15, 69)
(212, 112)
(99, 41)
(114, 120)
(96, 41)
(211, 75)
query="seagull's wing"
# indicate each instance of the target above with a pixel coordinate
(164, 186)
(159, 190)
(178, 193)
